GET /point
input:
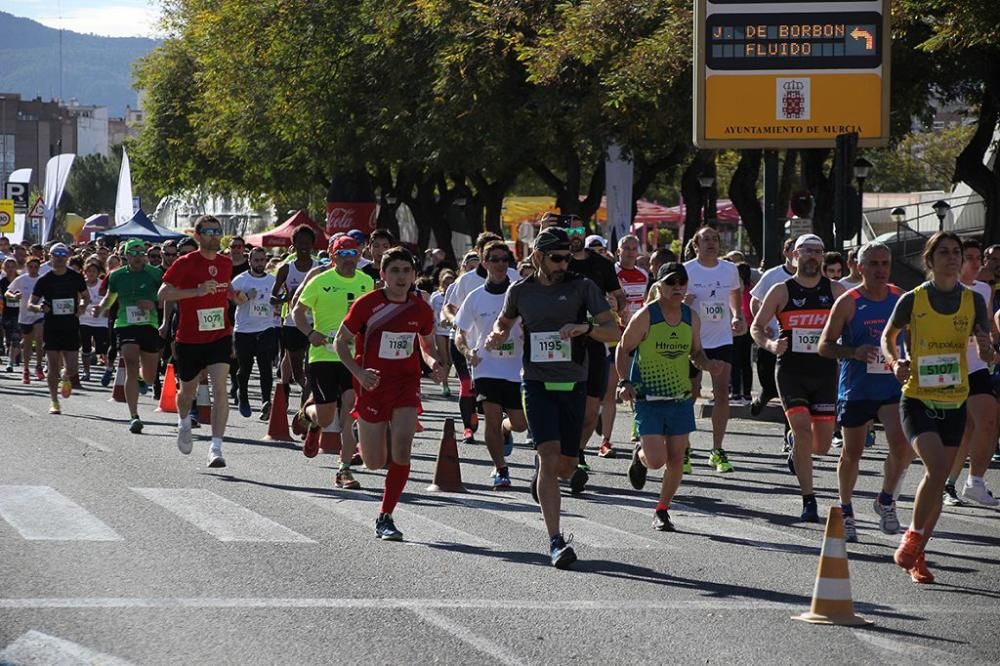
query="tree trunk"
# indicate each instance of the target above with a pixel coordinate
(492, 195)
(821, 186)
(786, 182)
(691, 193)
(743, 194)
(969, 167)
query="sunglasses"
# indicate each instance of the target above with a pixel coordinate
(576, 231)
(559, 258)
(675, 282)
(60, 254)
(347, 253)
(210, 232)
(497, 259)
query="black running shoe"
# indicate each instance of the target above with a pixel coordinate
(578, 482)
(385, 529)
(661, 521)
(562, 553)
(637, 471)
(759, 403)
(810, 512)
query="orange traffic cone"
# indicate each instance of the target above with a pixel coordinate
(168, 394)
(118, 394)
(447, 471)
(329, 440)
(832, 603)
(277, 424)
(204, 402)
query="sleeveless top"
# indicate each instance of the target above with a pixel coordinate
(939, 370)
(801, 322)
(660, 364)
(294, 278)
(861, 380)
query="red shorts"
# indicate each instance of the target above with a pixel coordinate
(376, 406)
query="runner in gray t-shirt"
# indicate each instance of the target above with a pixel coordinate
(553, 307)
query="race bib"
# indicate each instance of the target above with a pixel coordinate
(713, 311)
(805, 340)
(261, 309)
(211, 319)
(136, 315)
(64, 306)
(13, 302)
(506, 350)
(396, 345)
(549, 348)
(939, 371)
(879, 366)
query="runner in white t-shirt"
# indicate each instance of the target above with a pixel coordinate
(255, 330)
(766, 360)
(715, 292)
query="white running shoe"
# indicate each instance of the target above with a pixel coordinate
(888, 521)
(979, 493)
(850, 530)
(184, 441)
(215, 458)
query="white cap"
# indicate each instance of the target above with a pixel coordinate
(589, 241)
(808, 239)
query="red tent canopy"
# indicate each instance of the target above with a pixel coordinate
(653, 213)
(281, 236)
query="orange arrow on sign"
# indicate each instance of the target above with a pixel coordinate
(858, 33)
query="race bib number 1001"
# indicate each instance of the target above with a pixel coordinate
(549, 348)
(713, 310)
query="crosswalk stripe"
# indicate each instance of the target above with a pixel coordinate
(219, 517)
(363, 509)
(34, 647)
(39, 513)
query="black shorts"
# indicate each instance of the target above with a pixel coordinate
(501, 392)
(980, 383)
(293, 340)
(263, 344)
(328, 381)
(60, 337)
(723, 353)
(94, 339)
(147, 337)
(814, 392)
(919, 419)
(597, 369)
(191, 358)
(29, 328)
(555, 416)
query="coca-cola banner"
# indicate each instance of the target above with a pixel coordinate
(342, 216)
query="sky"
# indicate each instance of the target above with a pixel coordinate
(113, 18)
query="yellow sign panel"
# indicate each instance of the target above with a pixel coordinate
(6, 216)
(782, 74)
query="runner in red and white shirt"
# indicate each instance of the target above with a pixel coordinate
(200, 283)
(386, 327)
(635, 284)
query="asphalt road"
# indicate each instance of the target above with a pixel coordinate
(115, 548)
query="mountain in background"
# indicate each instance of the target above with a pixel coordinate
(96, 70)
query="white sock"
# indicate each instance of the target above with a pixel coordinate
(914, 529)
(184, 421)
(216, 442)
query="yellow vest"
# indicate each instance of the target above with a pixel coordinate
(939, 373)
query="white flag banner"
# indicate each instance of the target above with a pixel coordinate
(618, 187)
(56, 175)
(19, 176)
(123, 202)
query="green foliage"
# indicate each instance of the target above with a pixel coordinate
(920, 161)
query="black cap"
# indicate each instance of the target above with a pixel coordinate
(672, 269)
(552, 240)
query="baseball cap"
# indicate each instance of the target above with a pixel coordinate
(359, 236)
(59, 250)
(187, 240)
(551, 240)
(344, 242)
(590, 240)
(808, 239)
(672, 269)
(134, 243)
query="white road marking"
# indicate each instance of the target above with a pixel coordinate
(40, 513)
(496, 653)
(219, 517)
(91, 443)
(417, 529)
(25, 410)
(35, 647)
(913, 653)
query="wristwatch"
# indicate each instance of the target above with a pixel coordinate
(624, 382)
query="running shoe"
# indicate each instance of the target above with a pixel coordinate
(26, 379)
(39, 375)
(662, 522)
(534, 481)
(265, 411)
(606, 450)
(738, 401)
(787, 441)
(385, 528)
(850, 530)
(445, 392)
(468, 437)
(356, 460)
(996, 457)
(106, 378)
(636, 470)
(184, 440)
(978, 492)
(910, 549)
(790, 461)
(687, 469)
(135, 426)
(888, 521)
(300, 422)
(718, 459)
(578, 482)
(54, 408)
(920, 573)
(143, 387)
(501, 479)
(310, 447)
(508, 443)
(10, 367)
(810, 512)
(951, 497)
(215, 458)
(870, 439)
(65, 387)
(563, 555)
(245, 410)
(346, 480)
(837, 441)
(583, 467)
(759, 403)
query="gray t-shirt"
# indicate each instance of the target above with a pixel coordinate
(943, 302)
(544, 309)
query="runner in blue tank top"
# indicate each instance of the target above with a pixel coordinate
(868, 389)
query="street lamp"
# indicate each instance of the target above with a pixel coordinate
(898, 216)
(705, 181)
(862, 169)
(941, 208)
